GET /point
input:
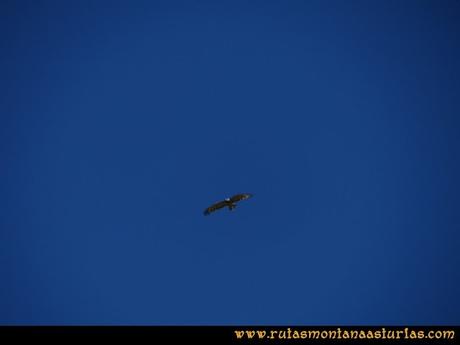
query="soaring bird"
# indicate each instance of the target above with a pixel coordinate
(228, 202)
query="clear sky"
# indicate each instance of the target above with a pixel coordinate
(121, 121)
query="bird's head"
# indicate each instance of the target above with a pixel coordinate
(227, 199)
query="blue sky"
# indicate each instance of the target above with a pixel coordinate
(122, 120)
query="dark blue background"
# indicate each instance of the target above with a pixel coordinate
(122, 120)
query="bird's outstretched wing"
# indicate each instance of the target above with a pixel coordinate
(239, 197)
(214, 207)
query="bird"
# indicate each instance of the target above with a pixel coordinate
(227, 202)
